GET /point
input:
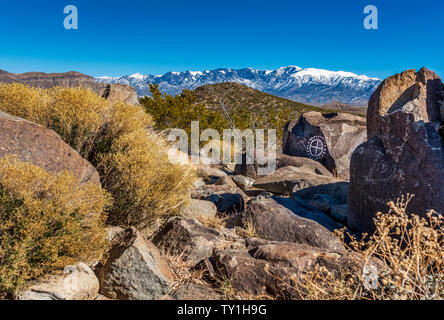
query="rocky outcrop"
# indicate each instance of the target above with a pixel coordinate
(405, 152)
(282, 219)
(417, 93)
(133, 269)
(112, 92)
(30, 142)
(250, 168)
(77, 282)
(186, 237)
(329, 139)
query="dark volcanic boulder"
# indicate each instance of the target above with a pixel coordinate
(227, 199)
(133, 269)
(282, 219)
(405, 153)
(188, 237)
(250, 169)
(291, 179)
(327, 138)
(30, 142)
(419, 93)
(277, 268)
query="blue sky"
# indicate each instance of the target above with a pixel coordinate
(128, 36)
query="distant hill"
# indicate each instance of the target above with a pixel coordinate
(234, 96)
(112, 92)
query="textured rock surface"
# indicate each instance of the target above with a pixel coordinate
(199, 208)
(282, 219)
(405, 153)
(227, 199)
(42, 147)
(243, 182)
(188, 237)
(418, 93)
(133, 269)
(78, 282)
(250, 169)
(329, 139)
(275, 268)
(287, 180)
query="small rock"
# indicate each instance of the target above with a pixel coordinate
(243, 182)
(188, 237)
(227, 199)
(78, 282)
(198, 208)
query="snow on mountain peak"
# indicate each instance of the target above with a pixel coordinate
(310, 85)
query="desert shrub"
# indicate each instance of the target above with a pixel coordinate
(411, 253)
(76, 114)
(136, 170)
(131, 158)
(47, 221)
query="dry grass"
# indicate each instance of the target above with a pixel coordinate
(227, 290)
(411, 253)
(46, 222)
(248, 230)
(183, 272)
(216, 222)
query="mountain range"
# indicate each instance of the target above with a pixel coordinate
(309, 85)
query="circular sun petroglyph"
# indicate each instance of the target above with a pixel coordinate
(316, 147)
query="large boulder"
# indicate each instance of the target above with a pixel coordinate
(418, 93)
(327, 138)
(133, 269)
(282, 219)
(277, 268)
(77, 282)
(287, 180)
(405, 152)
(249, 168)
(116, 93)
(186, 237)
(30, 142)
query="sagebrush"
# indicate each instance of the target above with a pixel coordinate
(47, 221)
(131, 158)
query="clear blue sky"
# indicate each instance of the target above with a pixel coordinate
(128, 36)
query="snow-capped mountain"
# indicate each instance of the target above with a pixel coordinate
(315, 86)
